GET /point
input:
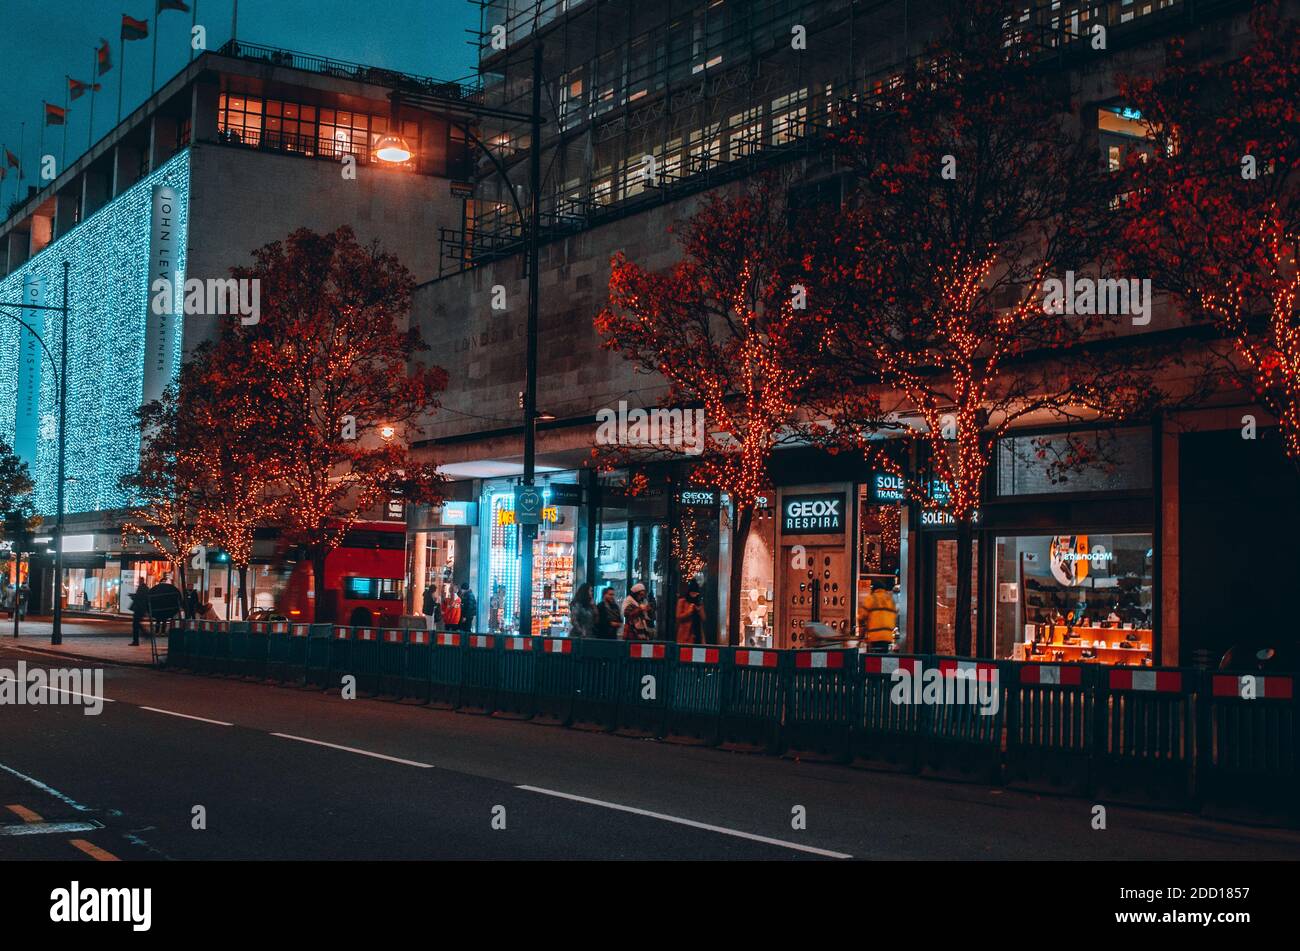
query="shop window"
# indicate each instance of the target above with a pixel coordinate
(757, 581)
(1074, 598)
(1090, 461)
(1121, 132)
(879, 568)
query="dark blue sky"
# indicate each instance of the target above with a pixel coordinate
(42, 40)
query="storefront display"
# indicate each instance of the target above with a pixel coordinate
(1075, 598)
(553, 562)
(756, 584)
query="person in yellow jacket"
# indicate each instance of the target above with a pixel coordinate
(881, 617)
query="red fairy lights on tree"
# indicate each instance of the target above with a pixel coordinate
(732, 335)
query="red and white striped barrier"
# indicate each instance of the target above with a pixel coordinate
(818, 660)
(1047, 674)
(448, 639)
(887, 664)
(419, 637)
(1261, 687)
(747, 658)
(480, 640)
(394, 637)
(646, 651)
(519, 643)
(300, 630)
(698, 655)
(259, 627)
(1153, 681)
(367, 634)
(342, 633)
(984, 672)
(557, 645)
(279, 627)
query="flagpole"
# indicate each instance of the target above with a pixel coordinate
(40, 149)
(234, 22)
(63, 156)
(153, 68)
(94, 84)
(121, 76)
(22, 144)
(194, 21)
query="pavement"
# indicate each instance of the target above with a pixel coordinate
(84, 638)
(289, 773)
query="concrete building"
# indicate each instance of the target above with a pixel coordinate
(704, 93)
(243, 146)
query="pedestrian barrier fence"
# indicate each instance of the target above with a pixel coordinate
(1223, 742)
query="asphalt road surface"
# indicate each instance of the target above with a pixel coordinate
(288, 773)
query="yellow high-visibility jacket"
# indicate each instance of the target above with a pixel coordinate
(882, 616)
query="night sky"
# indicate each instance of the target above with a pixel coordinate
(42, 40)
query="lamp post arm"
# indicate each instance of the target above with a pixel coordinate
(54, 364)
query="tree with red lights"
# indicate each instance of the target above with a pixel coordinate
(332, 383)
(973, 187)
(1218, 205)
(732, 334)
(169, 483)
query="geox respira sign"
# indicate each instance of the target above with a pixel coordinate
(821, 514)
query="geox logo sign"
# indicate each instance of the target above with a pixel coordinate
(812, 514)
(75, 904)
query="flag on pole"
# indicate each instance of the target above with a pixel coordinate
(173, 5)
(133, 29)
(104, 57)
(11, 159)
(77, 89)
(54, 115)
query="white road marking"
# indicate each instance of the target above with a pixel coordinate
(67, 800)
(46, 828)
(187, 716)
(85, 696)
(353, 749)
(689, 822)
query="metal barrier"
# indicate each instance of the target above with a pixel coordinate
(963, 739)
(823, 702)
(1169, 737)
(888, 733)
(1145, 736)
(696, 693)
(516, 693)
(644, 687)
(390, 679)
(753, 701)
(1249, 764)
(446, 664)
(598, 678)
(478, 684)
(1051, 722)
(557, 679)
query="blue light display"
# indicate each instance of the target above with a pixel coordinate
(108, 301)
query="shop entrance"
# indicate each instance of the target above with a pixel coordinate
(939, 567)
(814, 587)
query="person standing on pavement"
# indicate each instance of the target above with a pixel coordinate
(690, 615)
(468, 608)
(192, 604)
(582, 613)
(139, 611)
(609, 620)
(635, 626)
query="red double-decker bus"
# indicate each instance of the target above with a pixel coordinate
(364, 578)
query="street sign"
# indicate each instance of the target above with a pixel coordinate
(461, 189)
(528, 505)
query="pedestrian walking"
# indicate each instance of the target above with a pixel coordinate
(139, 611)
(192, 604)
(690, 615)
(582, 612)
(609, 619)
(20, 600)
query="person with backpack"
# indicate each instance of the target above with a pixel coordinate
(468, 608)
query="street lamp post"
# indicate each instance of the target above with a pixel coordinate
(392, 148)
(56, 633)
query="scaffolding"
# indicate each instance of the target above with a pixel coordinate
(645, 100)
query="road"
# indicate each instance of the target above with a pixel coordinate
(288, 773)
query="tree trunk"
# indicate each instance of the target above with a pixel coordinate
(964, 631)
(243, 592)
(323, 607)
(738, 539)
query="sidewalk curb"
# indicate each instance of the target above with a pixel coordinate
(48, 652)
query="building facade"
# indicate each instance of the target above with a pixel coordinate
(239, 149)
(647, 107)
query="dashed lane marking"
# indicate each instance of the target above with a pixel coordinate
(722, 830)
(22, 812)
(353, 749)
(187, 716)
(94, 851)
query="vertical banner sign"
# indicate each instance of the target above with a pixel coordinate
(162, 325)
(27, 418)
